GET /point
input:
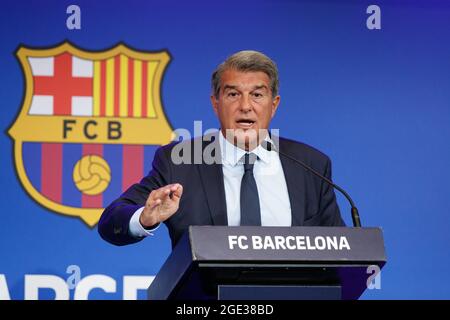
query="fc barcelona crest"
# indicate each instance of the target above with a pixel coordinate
(89, 125)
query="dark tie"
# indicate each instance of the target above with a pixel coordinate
(250, 211)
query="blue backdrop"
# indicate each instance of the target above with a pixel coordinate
(376, 101)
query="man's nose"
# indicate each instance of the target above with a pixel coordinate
(246, 104)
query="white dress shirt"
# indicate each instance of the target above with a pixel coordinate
(271, 183)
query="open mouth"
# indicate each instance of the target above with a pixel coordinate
(245, 123)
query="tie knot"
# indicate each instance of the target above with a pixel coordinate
(249, 161)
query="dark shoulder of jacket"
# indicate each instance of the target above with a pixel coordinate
(303, 152)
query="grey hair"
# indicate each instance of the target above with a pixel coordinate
(247, 61)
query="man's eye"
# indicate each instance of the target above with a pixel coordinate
(232, 94)
(257, 95)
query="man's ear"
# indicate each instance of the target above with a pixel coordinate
(215, 104)
(275, 103)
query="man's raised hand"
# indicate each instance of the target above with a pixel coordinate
(161, 204)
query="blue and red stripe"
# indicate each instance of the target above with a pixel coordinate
(112, 153)
(132, 165)
(31, 153)
(49, 167)
(71, 196)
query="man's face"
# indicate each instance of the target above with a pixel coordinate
(245, 107)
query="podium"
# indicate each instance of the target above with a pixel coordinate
(270, 263)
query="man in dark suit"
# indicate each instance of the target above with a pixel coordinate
(244, 184)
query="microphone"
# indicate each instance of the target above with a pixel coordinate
(354, 211)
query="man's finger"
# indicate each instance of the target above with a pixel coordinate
(178, 191)
(153, 204)
(159, 193)
(164, 193)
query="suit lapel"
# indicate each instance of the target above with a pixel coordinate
(294, 176)
(212, 180)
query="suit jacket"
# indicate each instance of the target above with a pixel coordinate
(313, 201)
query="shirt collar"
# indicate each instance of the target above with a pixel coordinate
(232, 154)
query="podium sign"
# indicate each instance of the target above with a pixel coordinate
(219, 262)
